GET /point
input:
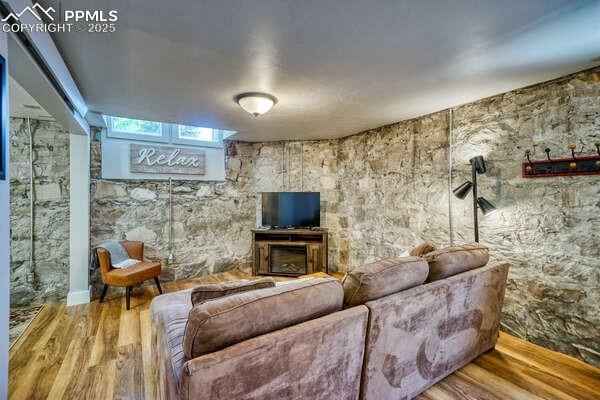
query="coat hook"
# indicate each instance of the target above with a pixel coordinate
(573, 146)
(573, 164)
(528, 168)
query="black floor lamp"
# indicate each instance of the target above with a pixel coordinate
(477, 167)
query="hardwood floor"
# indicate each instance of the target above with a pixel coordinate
(102, 351)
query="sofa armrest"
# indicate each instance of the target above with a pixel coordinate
(321, 358)
(418, 336)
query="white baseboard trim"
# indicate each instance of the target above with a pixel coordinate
(80, 297)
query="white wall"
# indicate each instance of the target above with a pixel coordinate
(79, 206)
(4, 256)
(115, 162)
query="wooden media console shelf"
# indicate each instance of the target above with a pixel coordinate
(289, 252)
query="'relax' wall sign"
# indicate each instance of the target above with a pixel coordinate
(155, 159)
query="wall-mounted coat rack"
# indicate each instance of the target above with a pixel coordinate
(565, 166)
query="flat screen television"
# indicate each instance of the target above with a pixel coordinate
(291, 209)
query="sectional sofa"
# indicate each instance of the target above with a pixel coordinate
(391, 330)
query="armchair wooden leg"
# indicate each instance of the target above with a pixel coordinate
(158, 285)
(104, 290)
(128, 296)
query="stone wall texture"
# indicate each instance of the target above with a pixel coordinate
(547, 228)
(47, 278)
(394, 193)
(212, 221)
(387, 189)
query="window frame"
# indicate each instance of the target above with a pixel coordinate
(169, 135)
(116, 134)
(175, 139)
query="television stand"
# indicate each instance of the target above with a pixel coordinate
(289, 252)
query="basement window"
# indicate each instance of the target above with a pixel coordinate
(137, 129)
(195, 135)
(154, 131)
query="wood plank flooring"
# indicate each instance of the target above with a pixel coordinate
(102, 351)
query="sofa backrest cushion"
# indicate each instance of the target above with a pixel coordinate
(454, 260)
(383, 277)
(206, 292)
(222, 322)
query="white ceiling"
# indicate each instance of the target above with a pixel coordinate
(337, 66)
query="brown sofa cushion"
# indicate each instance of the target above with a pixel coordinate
(203, 293)
(219, 323)
(454, 260)
(383, 277)
(422, 249)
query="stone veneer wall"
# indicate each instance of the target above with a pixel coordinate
(547, 228)
(394, 193)
(393, 189)
(211, 220)
(386, 189)
(50, 278)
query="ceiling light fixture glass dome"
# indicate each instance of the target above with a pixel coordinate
(255, 103)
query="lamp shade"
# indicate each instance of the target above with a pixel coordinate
(478, 163)
(486, 207)
(463, 190)
(255, 103)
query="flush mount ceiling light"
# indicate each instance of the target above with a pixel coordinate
(255, 103)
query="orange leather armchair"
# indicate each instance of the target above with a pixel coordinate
(127, 277)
